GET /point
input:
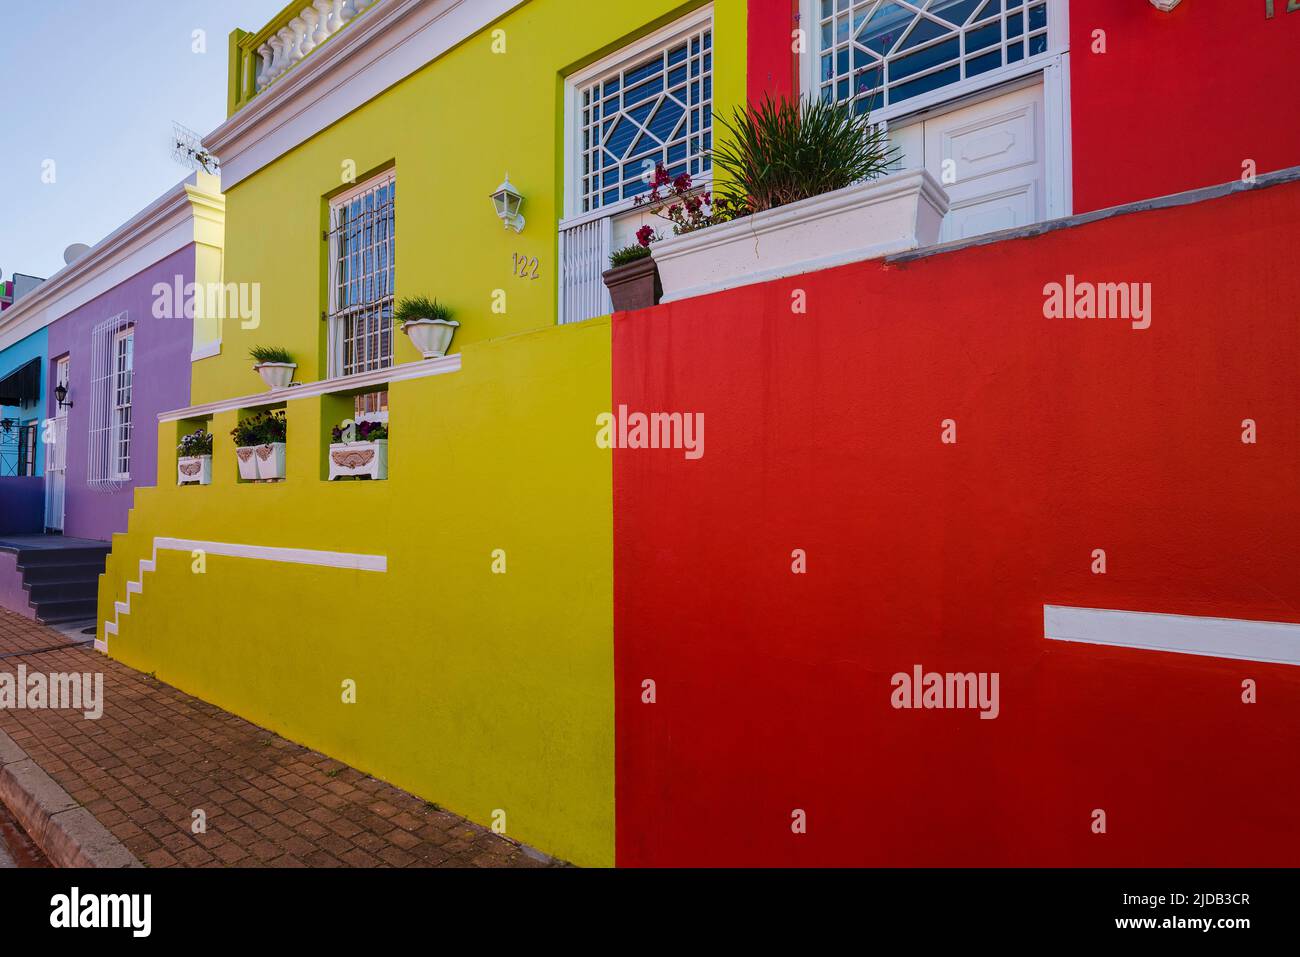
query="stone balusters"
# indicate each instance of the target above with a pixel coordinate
(315, 23)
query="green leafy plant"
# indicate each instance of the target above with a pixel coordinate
(628, 254)
(261, 429)
(781, 151)
(421, 307)
(196, 443)
(270, 354)
(367, 431)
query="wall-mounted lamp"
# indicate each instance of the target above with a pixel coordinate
(6, 425)
(61, 394)
(508, 200)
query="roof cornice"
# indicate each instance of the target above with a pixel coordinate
(393, 39)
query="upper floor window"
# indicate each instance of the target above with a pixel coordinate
(363, 268)
(650, 103)
(881, 52)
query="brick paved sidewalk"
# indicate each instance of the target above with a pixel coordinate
(157, 754)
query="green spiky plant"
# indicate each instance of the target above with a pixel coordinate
(628, 254)
(781, 151)
(421, 307)
(270, 354)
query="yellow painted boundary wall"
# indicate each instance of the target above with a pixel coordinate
(478, 691)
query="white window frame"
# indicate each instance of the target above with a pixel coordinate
(572, 200)
(1053, 64)
(335, 321)
(122, 384)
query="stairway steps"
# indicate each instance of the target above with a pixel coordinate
(62, 571)
(57, 612)
(39, 593)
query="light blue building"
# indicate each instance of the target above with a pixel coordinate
(24, 375)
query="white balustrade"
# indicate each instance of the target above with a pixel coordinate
(314, 24)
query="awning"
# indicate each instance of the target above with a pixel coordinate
(23, 385)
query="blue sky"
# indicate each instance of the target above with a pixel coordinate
(94, 87)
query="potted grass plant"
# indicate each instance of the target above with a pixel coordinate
(359, 450)
(194, 459)
(633, 278)
(274, 365)
(260, 446)
(802, 184)
(428, 324)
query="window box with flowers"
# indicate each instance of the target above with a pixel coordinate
(194, 459)
(803, 185)
(359, 450)
(260, 446)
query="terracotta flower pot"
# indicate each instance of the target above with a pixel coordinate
(634, 285)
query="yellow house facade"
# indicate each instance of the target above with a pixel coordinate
(448, 628)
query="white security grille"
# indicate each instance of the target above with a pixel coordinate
(881, 52)
(655, 108)
(584, 256)
(108, 458)
(363, 267)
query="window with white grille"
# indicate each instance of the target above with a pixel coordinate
(120, 435)
(651, 105)
(112, 366)
(362, 258)
(878, 53)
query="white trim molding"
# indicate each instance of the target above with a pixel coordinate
(206, 351)
(352, 383)
(393, 40)
(1276, 642)
(175, 220)
(297, 556)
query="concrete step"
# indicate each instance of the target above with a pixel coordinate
(40, 593)
(40, 557)
(57, 612)
(69, 571)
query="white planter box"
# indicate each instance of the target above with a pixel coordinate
(276, 375)
(431, 336)
(359, 458)
(247, 459)
(269, 460)
(194, 470)
(888, 215)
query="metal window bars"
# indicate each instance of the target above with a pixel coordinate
(363, 270)
(111, 372)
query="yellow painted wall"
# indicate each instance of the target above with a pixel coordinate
(476, 690)
(452, 131)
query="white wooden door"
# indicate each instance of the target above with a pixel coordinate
(989, 156)
(56, 457)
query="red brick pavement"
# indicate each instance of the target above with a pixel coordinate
(157, 754)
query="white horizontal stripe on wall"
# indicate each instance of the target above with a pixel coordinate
(298, 556)
(1272, 641)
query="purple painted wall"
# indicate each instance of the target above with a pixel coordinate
(162, 382)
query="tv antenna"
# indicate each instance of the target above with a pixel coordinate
(187, 149)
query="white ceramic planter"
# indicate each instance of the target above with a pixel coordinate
(431, 336)
(888, 215)
(269, 460)
(276, 375)
(359, 458)
(194, 470)
(246, 456)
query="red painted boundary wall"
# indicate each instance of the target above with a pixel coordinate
(823, 434)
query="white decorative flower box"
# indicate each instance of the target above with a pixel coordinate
(269, 460)
(194, 470)
(359, 458)
(431, 336)
(892, 214)
(276, 375)
(247, 459)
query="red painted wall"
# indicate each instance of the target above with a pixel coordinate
(773, 67)
(1180, 100)
(822, 433)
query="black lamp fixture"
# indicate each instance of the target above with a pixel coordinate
(6, 425)
(61, 393)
